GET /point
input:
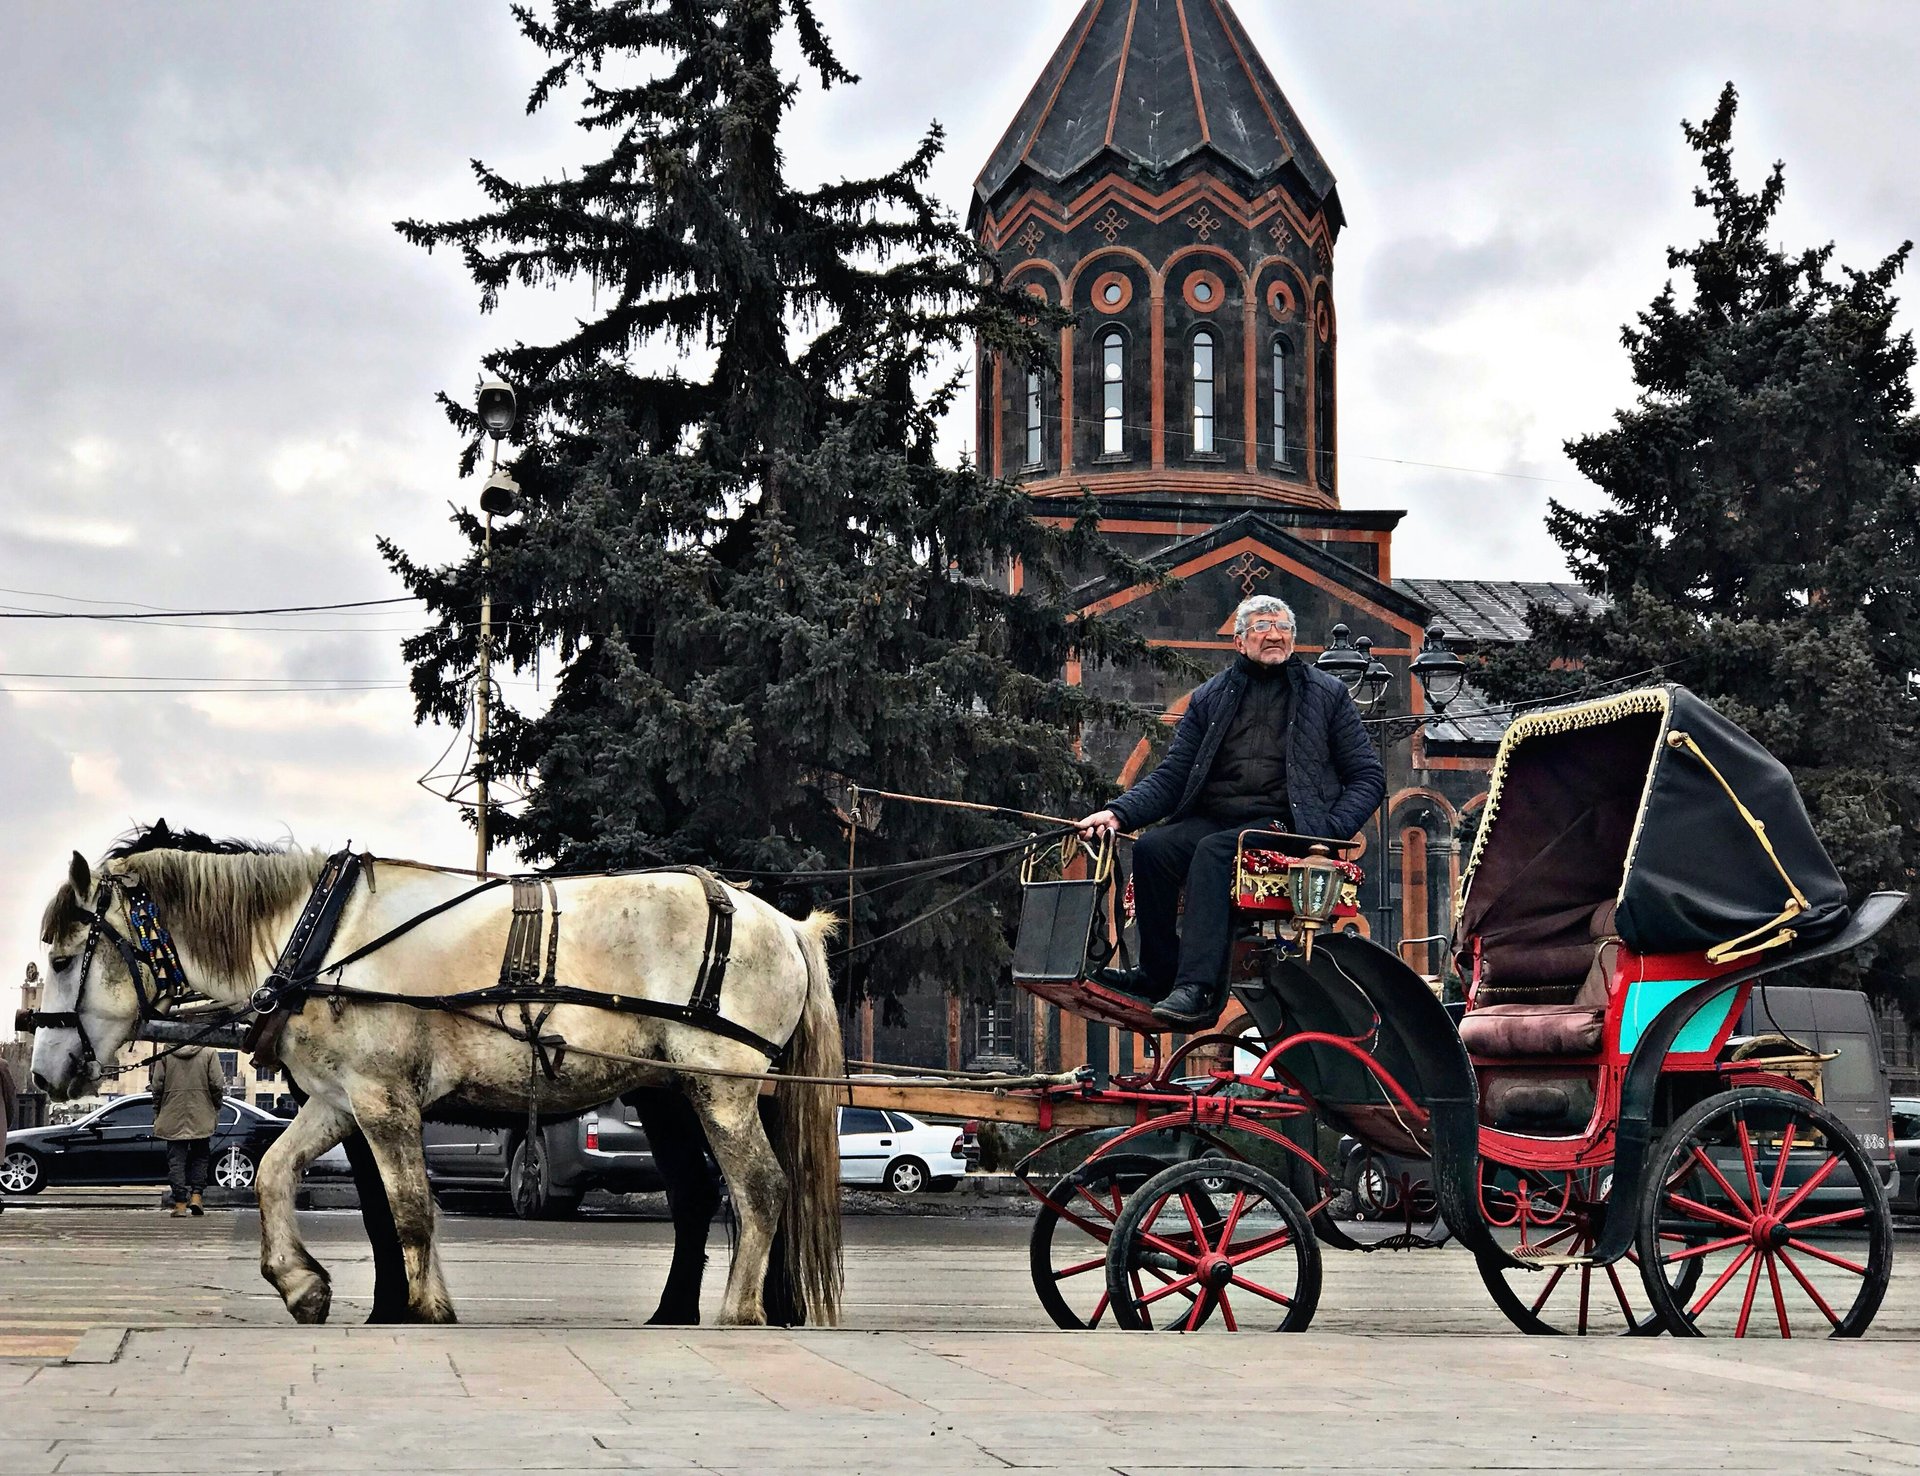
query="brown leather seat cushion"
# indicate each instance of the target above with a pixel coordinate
(1532, 1030)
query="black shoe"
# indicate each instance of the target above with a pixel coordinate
(1188, 1005)
(1132, 981)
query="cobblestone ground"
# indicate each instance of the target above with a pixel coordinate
(947, 1365)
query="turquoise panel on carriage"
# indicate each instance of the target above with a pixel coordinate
(1648, 997)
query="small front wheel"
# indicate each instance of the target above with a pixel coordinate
(233, 1169)
(1182, 1252)
(1777, 1204)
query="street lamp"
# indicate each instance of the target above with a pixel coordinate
(1374, 681)
(497, 407)
(1340, 660)
(1440, 673)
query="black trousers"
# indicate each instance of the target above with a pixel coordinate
(1196, 854)
(188, 1160)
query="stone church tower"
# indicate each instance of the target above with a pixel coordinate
(1157, 184)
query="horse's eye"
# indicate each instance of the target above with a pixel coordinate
(60, 963)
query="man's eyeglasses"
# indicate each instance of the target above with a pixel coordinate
(1269, 627)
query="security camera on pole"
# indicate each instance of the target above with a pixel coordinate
(500, 496)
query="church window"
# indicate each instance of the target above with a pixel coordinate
(1203, 392)
(1113, 292)
(1033, 417)
(1280, 400)
(1113, 395)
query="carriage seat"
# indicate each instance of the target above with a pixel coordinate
(1553, 1017)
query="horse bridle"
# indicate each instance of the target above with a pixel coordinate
(153, 963)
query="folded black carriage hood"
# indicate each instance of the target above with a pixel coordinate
(1719, 854)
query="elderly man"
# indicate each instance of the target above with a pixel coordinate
(1271, 740)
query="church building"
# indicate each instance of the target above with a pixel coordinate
(1157, 185)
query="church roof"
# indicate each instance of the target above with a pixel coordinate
(1155, 81)
(1492, 609)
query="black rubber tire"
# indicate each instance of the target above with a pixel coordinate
(906, 1176)
(1129, 1254)
(1107, 1181)
(1675, 1195)
(38, 1181)
(1597, 1300)
(544, 1202)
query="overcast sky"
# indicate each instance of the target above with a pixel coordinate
(217, 359)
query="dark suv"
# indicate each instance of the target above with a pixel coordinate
(602, 1149)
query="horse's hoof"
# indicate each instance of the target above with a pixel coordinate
(312, 1305)
(667, 1316)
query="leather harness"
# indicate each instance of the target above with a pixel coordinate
(301, 973)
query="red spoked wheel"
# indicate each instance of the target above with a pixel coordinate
(1067, 1251)
(1782, 1211)
(1551, 1221)
(1213, 1242)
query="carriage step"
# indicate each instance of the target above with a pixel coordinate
(1525, 1255)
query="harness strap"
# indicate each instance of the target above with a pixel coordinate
(558, 994)
(284, 994)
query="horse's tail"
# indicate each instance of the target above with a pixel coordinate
(809, 1136)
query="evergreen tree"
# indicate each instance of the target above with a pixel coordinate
(1760, 541)
(758, 581)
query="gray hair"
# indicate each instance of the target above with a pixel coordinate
(1260, 605)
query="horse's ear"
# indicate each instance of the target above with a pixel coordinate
(160, 831)
(81, 876)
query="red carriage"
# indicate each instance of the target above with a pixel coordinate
(1587, 1133)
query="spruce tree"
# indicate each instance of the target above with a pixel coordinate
(757, 580)
(1760, 538)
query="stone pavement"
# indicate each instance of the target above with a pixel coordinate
(481, 1399)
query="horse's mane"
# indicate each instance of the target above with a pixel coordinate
(218, 897)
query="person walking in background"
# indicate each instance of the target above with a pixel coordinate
(188, 1088)
(7, 1094)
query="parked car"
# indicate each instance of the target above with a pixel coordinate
(1853, 1085)
(115, 1145)
(602, 1149)
(1906, 1154)
(899, 1152)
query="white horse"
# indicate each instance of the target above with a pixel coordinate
(379, 1066)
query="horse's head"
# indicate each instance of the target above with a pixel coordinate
(89, 1003)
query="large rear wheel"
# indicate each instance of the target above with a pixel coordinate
(1777, 1205)
(1184, 1255)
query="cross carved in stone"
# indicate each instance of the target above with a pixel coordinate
(1249, 571)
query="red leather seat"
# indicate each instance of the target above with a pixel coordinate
(1568, 1026)
(1533, 1030)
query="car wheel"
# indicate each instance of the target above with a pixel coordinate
(20, 1173)
(233, 1169)
(537, 1200)
(906, 1176)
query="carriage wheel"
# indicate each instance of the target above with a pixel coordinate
(1780, 1208)
(1182, 1254)
(1068, 1252)
(1551, 1297)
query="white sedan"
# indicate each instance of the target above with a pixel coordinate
(898, 1152)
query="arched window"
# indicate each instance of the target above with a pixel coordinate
(1203, 392)
(1113, 394)
(1280, 400)
(1033, 417)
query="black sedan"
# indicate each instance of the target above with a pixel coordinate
(116, 1145)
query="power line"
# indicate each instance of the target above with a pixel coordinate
(156, 614)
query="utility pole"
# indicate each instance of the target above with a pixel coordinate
(500, 495)
(480, 691)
